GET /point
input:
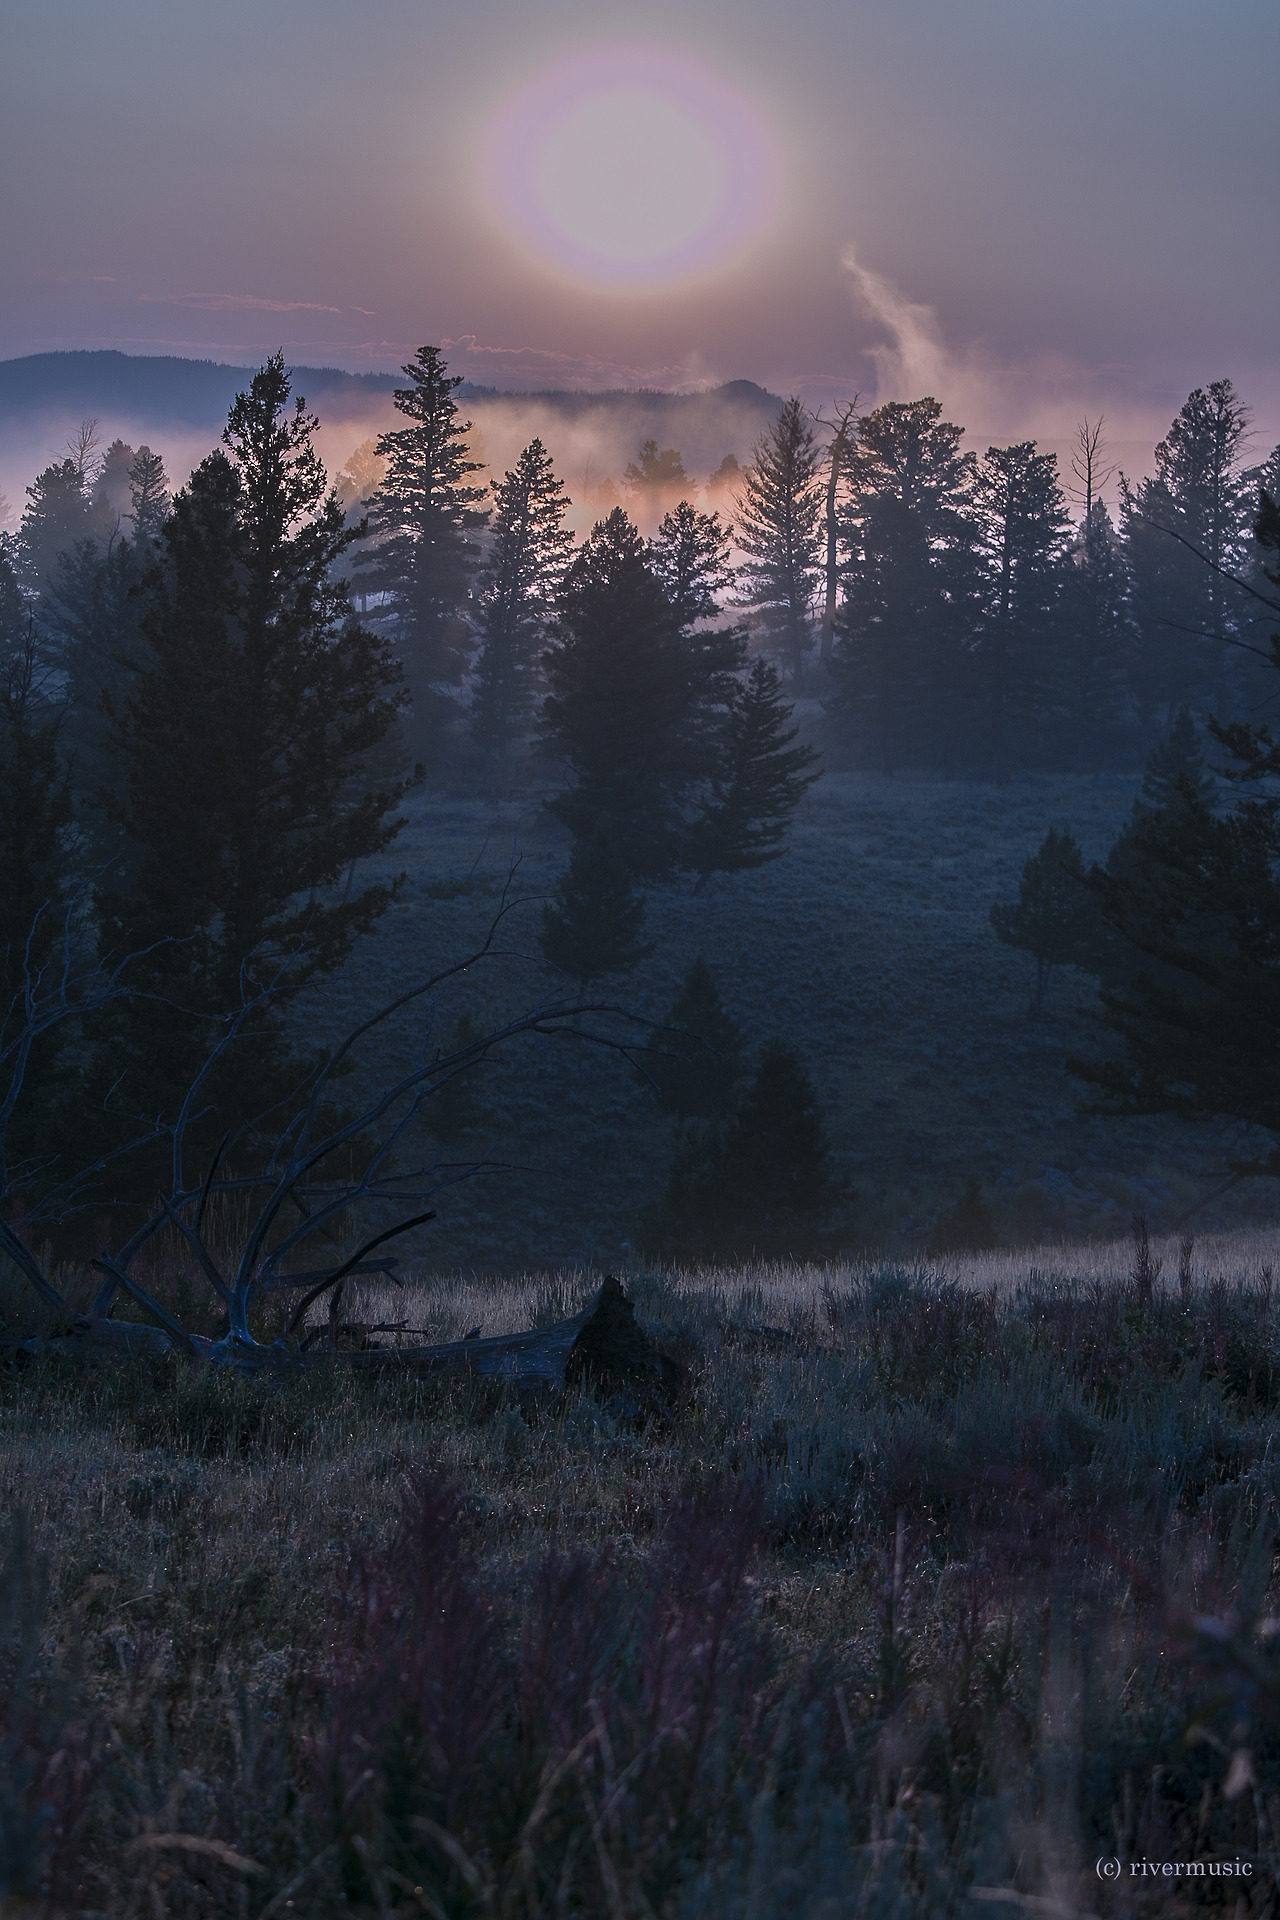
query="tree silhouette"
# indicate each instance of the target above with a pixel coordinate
(759, 781)
(620, 705)
(526, 561)
(1055, 917)
(421, 518)
(778, 521)
(252, 708)
(595, 925)
(698, 1057)
(912, 591)
(761, 1185)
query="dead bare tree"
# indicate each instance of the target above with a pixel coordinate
(299, 1198)
(1087, 463)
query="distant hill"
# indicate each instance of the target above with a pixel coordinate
(189, 393)
(180, 406)
(197, 393)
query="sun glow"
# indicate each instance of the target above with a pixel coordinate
(631, 168)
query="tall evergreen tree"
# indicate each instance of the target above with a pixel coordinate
(1022, 521)
(779, 526)
(35, 856)
(759, 780)
(760, 1186)
(619, 704)
(254, 706)
(911, 605)
(689, 555)
(1090, 679)
(697, 1058)
(595, 924)
(527, 557)
(1181, 528)
(421, 520)
(148, 498)
(56, 517)
(1055, 918)
(655, 482)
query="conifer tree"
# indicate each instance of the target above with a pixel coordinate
(1089, 679)
(912, 597)
(1182, 528)
(655, 481)
(57, 515)
(148, 498)
(779, 525)
(689, 554)
(253, 707)
(35, 856)
(619, 703)
(1055, 917)
(1021, 520)
(697, 1060)
(421, 520)
(526, 562)
(595, 925)
(760, 779)
(760, 1186)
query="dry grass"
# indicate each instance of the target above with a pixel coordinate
(447, 1305)
(990, 1498)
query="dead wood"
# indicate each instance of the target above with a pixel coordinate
(603, 1349)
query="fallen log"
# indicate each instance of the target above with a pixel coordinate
(603, 1349)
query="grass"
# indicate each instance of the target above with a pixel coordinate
(868, 945)
(940, 1578)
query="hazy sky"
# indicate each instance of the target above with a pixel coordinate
(1035, 208)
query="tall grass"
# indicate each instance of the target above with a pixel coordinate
(940, 1580)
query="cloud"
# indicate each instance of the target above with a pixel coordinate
(235, 303)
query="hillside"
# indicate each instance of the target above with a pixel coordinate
(868, 946)
(179, 406)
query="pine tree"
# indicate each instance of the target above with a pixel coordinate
(1055, 917)
(1181, 528)
(526, 562)
(56, 516)
(689, 554)
(656, 481)
(779, 526)
(244, 742)
(619, 704)
(596, 924)
(759, 781)
(1021, 517)
(148, 498)
(912, 598)
(760, 1186)
(1089, 678)
(421, 518)
(969, 1226)
(35, 858)
(697, 1060)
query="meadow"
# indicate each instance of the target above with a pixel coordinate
(868, 946)
(935, 1586)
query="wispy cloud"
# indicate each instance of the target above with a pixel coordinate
(235, 303)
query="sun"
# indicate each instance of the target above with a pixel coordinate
(631, 168)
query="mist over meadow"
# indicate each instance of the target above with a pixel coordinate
(639, 962)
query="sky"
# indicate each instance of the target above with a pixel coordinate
(1037, 210)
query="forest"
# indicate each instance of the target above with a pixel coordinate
(412, 907)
